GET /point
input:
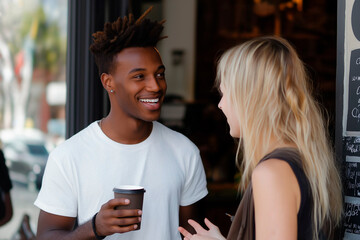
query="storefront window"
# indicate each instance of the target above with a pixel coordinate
(32, 96)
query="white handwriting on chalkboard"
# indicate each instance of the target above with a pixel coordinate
(356, 78)
(352, 174)
(352, 164)
(351, 210)
(355, 113)
(352, 148)
(352, 228)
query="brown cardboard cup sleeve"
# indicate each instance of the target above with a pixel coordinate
(134, 193)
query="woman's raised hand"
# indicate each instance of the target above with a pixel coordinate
(202, 234)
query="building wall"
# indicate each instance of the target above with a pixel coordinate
(180, 27)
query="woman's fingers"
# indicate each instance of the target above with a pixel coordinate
(201, 233)
(209, 224)
(198, 228)
(185, 233)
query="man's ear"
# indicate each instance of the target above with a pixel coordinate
(107, 81)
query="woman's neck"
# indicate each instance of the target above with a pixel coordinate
(276, 143)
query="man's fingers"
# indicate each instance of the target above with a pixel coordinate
(185, 233)
(121, 229)
(126, 221)
(117, 202)
(120, 213)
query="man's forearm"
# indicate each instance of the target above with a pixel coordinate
(82, 232)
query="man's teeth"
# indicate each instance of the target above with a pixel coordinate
(149, 100)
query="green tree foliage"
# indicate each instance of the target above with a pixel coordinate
(50, 44)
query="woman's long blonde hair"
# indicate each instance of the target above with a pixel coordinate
(267, 86)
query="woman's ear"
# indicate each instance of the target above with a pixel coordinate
(107, 81)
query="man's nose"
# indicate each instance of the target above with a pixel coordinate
(153, 84)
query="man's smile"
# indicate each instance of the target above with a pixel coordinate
(149, 100)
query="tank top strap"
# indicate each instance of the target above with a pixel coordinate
(290, 155)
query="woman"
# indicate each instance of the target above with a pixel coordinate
(293, 189)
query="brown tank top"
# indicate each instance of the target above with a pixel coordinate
(243, 225)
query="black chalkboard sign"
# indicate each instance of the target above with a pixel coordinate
(352, 218)
(353, 116)
(351, 151)
(352, 166)
(352, 187)
(348, 131)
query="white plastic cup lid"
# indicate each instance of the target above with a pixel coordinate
(129, 189)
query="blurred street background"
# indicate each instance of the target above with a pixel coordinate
(23, 199)
(33, 36)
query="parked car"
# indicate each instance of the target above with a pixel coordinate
(26, 159)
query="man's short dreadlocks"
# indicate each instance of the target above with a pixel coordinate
(124, 33)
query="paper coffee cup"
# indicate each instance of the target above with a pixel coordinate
(134, 193)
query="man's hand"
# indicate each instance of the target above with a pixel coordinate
(110, 221)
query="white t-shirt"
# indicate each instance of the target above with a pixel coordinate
(81, 173)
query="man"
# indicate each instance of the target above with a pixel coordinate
(127, 147)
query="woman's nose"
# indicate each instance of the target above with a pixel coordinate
(220, 105)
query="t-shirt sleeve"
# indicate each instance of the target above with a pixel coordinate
(195, 184)
(57, 194)
(5, 182)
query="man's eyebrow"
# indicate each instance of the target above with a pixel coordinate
(143, 69)
(137, 70)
